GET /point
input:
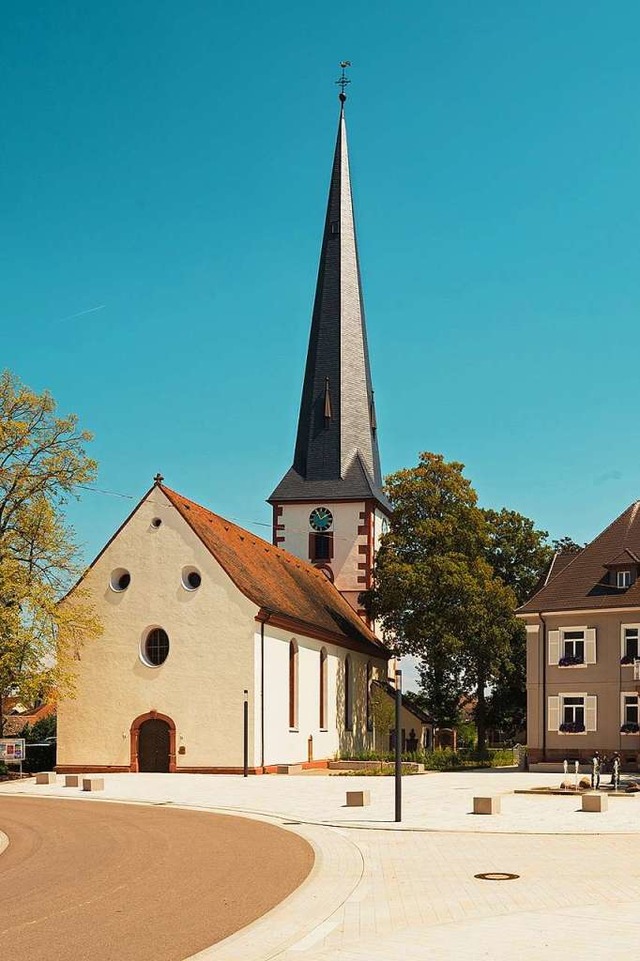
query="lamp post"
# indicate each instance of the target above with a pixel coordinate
(398, 746)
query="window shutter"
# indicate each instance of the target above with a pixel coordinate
(591, 712)
(590, 646)
(553, 713)
(554, 647)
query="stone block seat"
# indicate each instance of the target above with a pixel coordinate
(486, 805)
(46, 777)
(358, 799)
(93, 784)
(595, 802)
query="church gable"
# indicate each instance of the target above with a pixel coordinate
(155, 555)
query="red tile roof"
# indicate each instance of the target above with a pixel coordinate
(582, 583)
(275, 580)
(14, 723)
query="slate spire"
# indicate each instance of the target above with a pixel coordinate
(336, 456)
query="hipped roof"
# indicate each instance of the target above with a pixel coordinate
(583, 581)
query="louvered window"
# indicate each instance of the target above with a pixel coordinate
(572, 646)
(572, 713)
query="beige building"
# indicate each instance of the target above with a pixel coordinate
(583, 655)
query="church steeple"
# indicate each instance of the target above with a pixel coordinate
(336, 453)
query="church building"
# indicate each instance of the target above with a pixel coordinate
(203, 620)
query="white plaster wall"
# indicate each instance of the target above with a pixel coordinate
(283, 745)
(200, 685)
(346, 520)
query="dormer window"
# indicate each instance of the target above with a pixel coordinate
(623, 579)
(622, 570)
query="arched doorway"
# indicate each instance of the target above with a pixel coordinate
(153, 743)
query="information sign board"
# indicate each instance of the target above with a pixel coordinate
(12, 750)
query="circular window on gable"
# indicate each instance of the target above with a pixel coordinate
(155, 647)
(191, 578)
(119, 580)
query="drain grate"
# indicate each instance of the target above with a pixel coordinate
(496, 876)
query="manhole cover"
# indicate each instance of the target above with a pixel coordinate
(496, 876)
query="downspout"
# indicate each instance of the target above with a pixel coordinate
(544, 687)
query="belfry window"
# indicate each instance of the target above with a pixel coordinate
(321, 546)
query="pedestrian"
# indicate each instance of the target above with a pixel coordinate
(595, 771)
(615, 771)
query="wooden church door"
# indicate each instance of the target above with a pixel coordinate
(153, 746)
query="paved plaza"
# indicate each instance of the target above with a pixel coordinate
(384, 891)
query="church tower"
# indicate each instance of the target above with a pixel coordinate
(329, 508)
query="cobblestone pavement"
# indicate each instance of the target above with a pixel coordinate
(379, 892)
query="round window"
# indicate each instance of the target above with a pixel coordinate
(120, 579)
(156, 647)
(191, 578)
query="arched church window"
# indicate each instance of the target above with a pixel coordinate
(323, 689)
(348, 694)
(293, 685)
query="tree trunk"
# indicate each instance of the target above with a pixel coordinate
(481, 714)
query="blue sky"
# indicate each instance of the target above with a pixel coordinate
(168, 163)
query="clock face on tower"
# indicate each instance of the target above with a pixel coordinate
(320, 519)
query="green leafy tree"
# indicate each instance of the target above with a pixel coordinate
(517, 551)
(384, 713)
(435, 592)
(42, 730)
(566, 545)
(441, 690)
(42, 463)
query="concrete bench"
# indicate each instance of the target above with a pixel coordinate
(358, 799)
(595, 802)
(289, 769)
(486, 805)
(93, 784)
(46, 777)
(72, 780)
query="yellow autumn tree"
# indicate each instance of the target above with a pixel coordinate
(42, 463)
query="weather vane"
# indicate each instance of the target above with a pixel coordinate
(343, 81)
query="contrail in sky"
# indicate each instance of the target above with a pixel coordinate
(80, 313)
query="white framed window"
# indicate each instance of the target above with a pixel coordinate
(572, 646)
(629, 643)
(623, 578)
(629, 713)
(572, 713)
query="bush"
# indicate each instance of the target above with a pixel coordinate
(40, 757)
(502, 757)
(443, 759)
(3, 768)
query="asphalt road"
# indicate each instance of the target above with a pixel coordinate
(116, 882)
